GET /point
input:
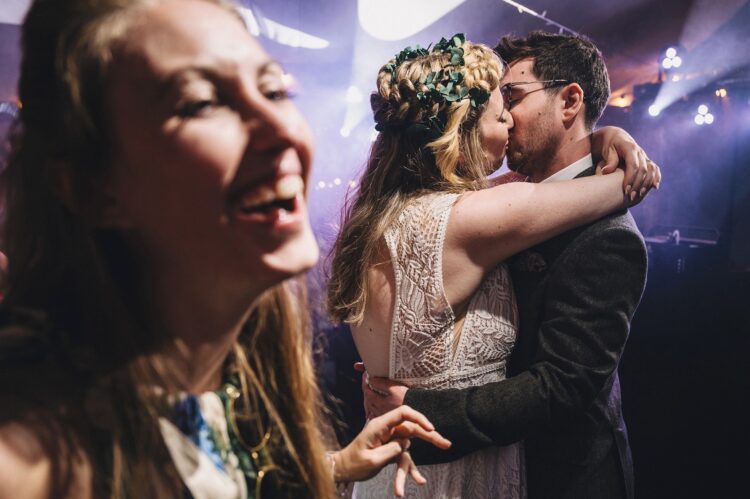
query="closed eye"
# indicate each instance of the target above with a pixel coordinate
(274, 83)
(279, 95)
(195, 108)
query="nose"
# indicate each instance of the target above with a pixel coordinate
(270, 125)
(277, 132)
(508, 118)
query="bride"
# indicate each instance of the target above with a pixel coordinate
(421, 249)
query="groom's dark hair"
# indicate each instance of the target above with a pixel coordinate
(563, 57)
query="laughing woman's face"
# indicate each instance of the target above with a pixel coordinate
(211, 157)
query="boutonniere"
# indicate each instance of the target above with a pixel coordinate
(530, 261)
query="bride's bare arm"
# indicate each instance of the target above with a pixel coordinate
(493, 224)
(488, 226)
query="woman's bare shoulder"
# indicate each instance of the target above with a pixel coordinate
(40, 413)
(28, 471)
(25, 468)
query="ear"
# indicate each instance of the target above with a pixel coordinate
(106, 208)
(572, 97)
(60, 178)
(96, 202)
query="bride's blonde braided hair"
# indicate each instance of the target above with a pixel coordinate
(397, 103)
(426, 107)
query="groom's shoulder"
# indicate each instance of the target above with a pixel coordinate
(619, 220)
(610, 233)
(598, 239)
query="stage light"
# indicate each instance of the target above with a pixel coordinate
(653, 110)
(353, 95)
(703, 117)
(345, 132)
(321, 185)
(721, 92)
(377, 19)
(257, 24)
(337, 181)
(622, 100)
(671, 58)
(9, 109)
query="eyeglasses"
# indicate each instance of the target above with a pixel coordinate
(507, 90)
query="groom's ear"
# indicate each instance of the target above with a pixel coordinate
(572, 101)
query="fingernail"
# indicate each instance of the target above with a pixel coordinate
(627, 189)
(643, 191)
(632, 196)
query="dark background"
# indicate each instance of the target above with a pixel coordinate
(685, 372)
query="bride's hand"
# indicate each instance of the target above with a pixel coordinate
(614, 146)
(384, 440)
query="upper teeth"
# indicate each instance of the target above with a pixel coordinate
(286, 187)
(289, 186)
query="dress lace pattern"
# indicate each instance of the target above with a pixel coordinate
(422, 354)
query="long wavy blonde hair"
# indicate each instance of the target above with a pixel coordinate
(402, 165)
(86, 288)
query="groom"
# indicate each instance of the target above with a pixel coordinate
(576, 296)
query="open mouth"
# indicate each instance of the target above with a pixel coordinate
(281, 204)
(270, 200)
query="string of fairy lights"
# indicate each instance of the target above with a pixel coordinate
(335, 183)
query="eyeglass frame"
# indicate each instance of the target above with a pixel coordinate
(505, 90)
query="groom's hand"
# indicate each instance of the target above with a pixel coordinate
(380, 394)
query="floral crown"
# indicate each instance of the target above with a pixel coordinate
(441, 86)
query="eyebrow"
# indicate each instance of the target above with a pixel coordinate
(212, 72)
(270, 66)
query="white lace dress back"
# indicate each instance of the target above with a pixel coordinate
(424, 351)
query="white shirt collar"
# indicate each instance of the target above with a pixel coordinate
(571, 171)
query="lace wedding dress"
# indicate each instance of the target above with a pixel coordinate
(422, 352)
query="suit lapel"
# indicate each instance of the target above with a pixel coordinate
(529, 270)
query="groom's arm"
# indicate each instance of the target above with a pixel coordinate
(595, 290)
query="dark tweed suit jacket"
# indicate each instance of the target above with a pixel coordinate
(577, 294)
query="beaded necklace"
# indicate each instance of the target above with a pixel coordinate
(209, 421)
(255, 461)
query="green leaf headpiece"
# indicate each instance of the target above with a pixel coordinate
(439, 86)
